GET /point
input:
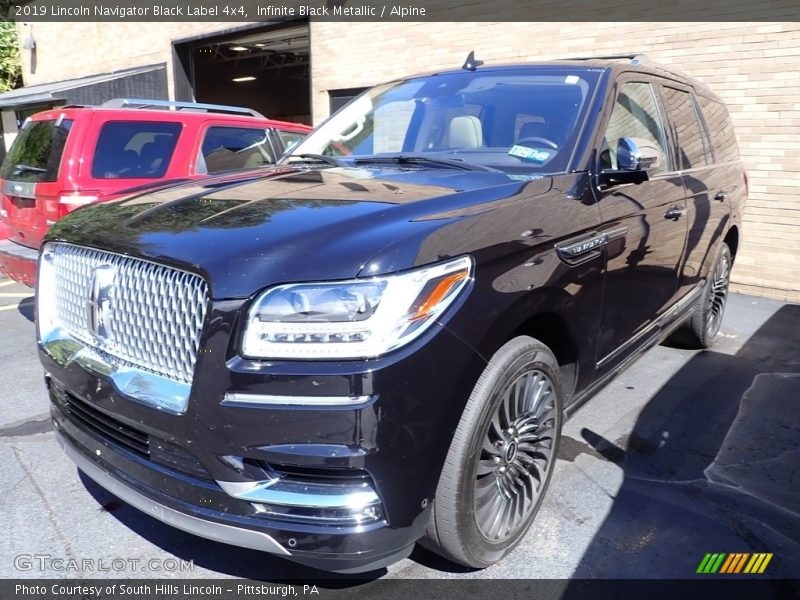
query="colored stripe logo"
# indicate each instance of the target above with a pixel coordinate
(733, 563)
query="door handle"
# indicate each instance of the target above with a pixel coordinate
(721, 196)
(675, 213)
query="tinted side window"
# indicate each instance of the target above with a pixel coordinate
(290, 138)
(227, 148)
(36, 153)
(690, 137)
(720, 127)
(134, 149)
(635, 115)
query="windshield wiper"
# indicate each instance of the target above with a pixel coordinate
(331, 160)
(410, 159)
(20, 169)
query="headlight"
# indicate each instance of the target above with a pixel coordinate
(362, 318)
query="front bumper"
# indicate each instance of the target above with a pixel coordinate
(203, 471)
(18, 261)
(219, 532)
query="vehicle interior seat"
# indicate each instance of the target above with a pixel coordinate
(153, 154)
(465, 132)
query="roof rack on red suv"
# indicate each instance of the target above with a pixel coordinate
(68, 157)
(138, 103)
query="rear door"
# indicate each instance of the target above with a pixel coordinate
(706, 209)
(31, 177)
(645, 225)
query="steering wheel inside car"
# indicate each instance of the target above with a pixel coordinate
(538, 140)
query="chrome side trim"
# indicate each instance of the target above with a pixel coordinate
(236, 398)
(575, 250)
(219, 532)
(625, 345)
(15, 250)
(303, 494)
(141, 386)
(614, 234)
(588, 246)
(674, 311)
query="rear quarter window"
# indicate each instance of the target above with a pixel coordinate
(36, 153)
(691, 143)
(134, 149)
(718, 121)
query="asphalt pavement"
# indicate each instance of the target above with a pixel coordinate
(685, 453)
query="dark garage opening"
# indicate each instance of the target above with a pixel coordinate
(267, 69)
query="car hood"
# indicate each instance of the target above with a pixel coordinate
(286, 224)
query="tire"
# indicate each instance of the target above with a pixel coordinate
(499, 466)
(704, 325)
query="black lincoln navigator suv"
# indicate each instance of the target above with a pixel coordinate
(375, 342)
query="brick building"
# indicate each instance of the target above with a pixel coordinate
(302, 71)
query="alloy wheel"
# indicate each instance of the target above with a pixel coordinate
(516, 456)
(719, 295)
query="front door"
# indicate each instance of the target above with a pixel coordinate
(647, 227)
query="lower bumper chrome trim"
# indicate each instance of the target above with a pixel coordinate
(303, 495)
(211, 530)
(232, 399)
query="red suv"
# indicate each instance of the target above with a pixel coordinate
(69, 157)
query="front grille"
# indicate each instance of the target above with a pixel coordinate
(87, 417)
(154, 317)
(91, 420)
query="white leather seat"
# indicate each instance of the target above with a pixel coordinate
(465, 132)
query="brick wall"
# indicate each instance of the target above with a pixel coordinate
(752, 66)
(69, 50)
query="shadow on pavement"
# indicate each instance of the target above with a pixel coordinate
(712, 465)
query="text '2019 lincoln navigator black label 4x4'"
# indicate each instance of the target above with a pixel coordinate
(376, 342)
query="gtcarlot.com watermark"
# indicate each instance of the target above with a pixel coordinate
(48, 562)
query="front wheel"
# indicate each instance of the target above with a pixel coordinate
(501, 457)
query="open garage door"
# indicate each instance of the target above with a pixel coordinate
(267, 69)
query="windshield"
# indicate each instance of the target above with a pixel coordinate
(513, 120)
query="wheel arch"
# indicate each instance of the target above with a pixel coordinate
(553, 330)
(552, 316)
(732, 240)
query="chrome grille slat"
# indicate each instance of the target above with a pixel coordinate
(156, 315)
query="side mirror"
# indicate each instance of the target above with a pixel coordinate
(634, 154)
(634, 157)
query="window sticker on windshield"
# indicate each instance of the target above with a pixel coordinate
(571, 79)
(522, 177)
(536, 155)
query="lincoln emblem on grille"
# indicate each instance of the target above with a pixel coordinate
(98, 303)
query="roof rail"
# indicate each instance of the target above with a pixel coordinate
(138, 103)
(635, 57)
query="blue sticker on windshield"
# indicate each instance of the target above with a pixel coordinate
(524, 177)
(530, 154)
